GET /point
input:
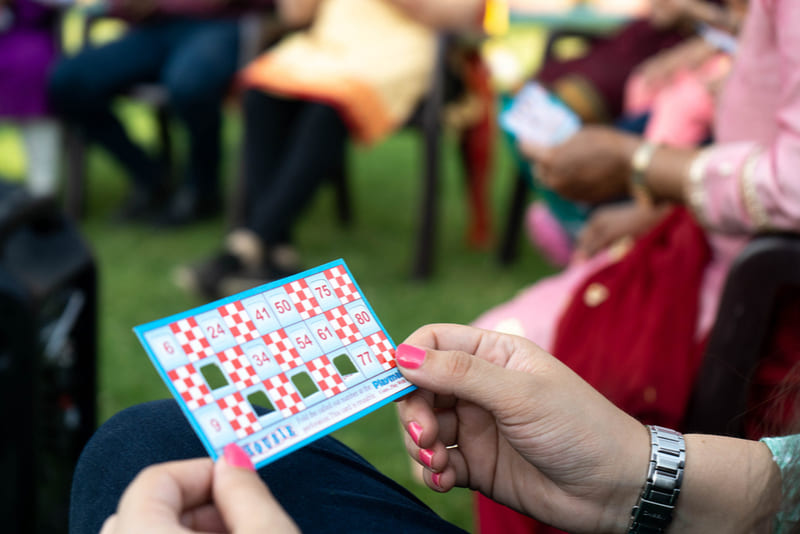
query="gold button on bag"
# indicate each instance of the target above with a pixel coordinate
(595, 294)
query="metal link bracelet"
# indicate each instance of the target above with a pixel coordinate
(653, 513)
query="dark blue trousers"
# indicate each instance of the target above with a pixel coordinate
(195, 59)
(290, 149)
(325, 486)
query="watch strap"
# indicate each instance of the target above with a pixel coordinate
(653, 513)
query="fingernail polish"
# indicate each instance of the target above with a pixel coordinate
(236, 457)
(437, 479)
(415, 431)
(409, 356)
(426, 457)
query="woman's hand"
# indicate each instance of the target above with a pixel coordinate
(608, 224)
(456, 15)
(497, 414)
(660, 69)
(199, 496)
(593, 165)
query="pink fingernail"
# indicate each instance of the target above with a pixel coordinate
(426, 456)
(437, 479)
(409, 356)
(236, 457)
(415, 431)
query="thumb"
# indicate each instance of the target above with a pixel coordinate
(243, 500)
(463, 375)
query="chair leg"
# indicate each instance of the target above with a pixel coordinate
(165, 138)
(516, 211)
(476, 155)
(477, 143)
(339, 177)
(237, 205)
(426, 237)
(431, 116)
(75, 186)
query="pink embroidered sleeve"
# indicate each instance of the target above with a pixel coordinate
(747, 186)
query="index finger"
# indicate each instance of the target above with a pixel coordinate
(494, 347)
(448, 337)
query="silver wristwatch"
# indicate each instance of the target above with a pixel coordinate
(653, 513)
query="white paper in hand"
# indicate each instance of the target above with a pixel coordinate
(537, 116)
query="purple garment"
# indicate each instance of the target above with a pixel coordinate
(27, 50)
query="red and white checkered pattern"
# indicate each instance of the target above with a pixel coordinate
(239, 414)
(239, 322)
(238, 367)
(284, 395)
(325, 376)
(282, 349)
(191, 339)
(382, 349)
(191, 387)
(303, 298)
(342, 285)
(343, 325)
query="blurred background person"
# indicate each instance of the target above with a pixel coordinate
(644, 309)
(358, 71)
(192, 49)
(597, 87)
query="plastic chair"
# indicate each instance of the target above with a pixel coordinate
(427, 120)
(155, 96)
(769, 264)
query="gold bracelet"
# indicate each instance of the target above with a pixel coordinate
(640, 161)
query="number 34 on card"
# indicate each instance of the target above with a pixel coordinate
(277, 366)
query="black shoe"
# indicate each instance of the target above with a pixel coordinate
(277, 272)
(141, 205)
(187, 206)
(247, 279)
(205, 278)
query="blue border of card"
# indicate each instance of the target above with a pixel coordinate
(141, 330)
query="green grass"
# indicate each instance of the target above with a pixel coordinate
(136, 263)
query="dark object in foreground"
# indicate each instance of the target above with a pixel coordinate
(47, 360)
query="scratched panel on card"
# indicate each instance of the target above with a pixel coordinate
(277, 366)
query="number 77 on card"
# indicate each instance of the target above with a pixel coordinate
(277, 366)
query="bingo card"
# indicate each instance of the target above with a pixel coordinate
(277, 366)
(538, 116)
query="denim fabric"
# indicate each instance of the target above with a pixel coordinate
(195, 59)
(325, 486)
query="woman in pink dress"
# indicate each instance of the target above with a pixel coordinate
(631, 320)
